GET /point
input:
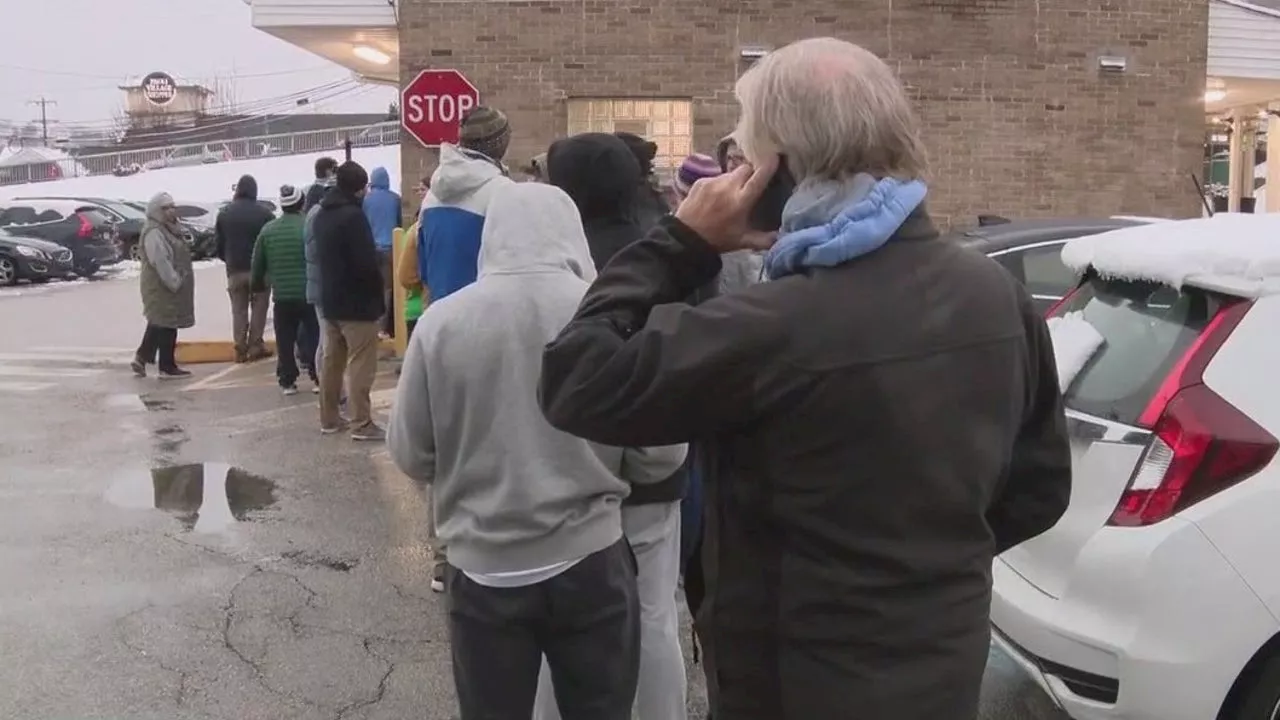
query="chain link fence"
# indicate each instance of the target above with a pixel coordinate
(129, 162)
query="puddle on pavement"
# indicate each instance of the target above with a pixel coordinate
(308, 559)
(205, 497)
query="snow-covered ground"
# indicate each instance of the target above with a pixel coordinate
(210, 183)
(126, 270)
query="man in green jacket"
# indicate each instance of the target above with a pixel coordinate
(279, 257)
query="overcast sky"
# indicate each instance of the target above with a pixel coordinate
(93, 46)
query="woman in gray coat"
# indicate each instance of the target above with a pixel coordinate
(168, 289)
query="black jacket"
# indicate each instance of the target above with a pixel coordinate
(350, 275)
(316, 193)
(878, 432)
(603, 178)
(237, 227)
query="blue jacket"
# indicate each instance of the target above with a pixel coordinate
(453, 218)
(382, 208)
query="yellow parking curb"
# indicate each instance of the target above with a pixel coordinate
(199, 352)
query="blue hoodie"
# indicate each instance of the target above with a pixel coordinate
(382, 208)
(453, 217)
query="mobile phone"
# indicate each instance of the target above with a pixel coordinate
(766, 214)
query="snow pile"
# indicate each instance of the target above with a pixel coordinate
(1074, 342)
(1235, 245)
(210, 183)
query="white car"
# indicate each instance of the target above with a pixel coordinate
(1156, 596)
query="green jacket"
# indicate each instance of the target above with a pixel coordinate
(280, 256)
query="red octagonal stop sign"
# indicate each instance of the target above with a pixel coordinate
(434, 103)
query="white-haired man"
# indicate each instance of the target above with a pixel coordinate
(883, 415)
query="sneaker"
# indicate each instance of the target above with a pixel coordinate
(335, 429)
(315, 388)
(437, 578)
(174, 374)
(369, 433)
(290, 389)
(138, 367)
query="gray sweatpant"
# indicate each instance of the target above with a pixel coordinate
(654, 534)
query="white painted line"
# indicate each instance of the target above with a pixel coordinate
(110, 351)
(64, 358)
(206, 383)
(29, 371)
(24, 387)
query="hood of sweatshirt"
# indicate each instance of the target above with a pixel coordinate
(461, 173)
(599, 172)
(531, 227)
(379, 179)
(246, 188)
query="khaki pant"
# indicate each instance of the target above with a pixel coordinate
(350, 349)
(248, 313)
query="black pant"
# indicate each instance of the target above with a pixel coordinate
(586, 621)
(388, 293)
(296, 329)
(159, 342)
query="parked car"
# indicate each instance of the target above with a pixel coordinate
(30, 259)
(86, 231)
(128, 220)
(190, 155)
(1157, 595)
(199, 236)
(1032, 249)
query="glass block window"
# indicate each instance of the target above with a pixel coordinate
(668, 123)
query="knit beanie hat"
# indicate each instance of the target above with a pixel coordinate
(351, 177)
(694, 168)
(644, 150)
(290, 197)
(485, 130)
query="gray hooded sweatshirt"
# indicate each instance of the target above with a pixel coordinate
(511, 493)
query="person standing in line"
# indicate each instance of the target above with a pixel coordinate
(382, 209)
(236, 230)
(453, 214)
(650, 203)
(407, 268)
(538, 564)
(168, 289)
(280, 256)
(601, 174)
(325, 169)
(313, 292)
(858, 494)
(351, 303)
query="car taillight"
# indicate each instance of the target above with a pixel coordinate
(1201, 444)
(86, 227)
(1054, 307)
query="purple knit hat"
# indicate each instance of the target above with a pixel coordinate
(694, 168)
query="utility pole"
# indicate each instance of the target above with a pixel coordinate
(44, 117)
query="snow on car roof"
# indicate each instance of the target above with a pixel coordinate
(1230, 252)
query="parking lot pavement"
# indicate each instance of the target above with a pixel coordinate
(175, 550)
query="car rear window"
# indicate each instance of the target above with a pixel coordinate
(97, 217)
(1146, 328)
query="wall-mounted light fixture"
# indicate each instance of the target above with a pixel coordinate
(1113, 63)
(753, 52)
(373, 55)
(1213, 96)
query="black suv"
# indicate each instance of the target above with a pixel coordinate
(85, 230)
(1032, 249)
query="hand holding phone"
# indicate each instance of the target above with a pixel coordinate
(720, 209)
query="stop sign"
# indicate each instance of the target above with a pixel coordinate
(434, 103)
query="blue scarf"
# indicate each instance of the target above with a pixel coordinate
(830, 222)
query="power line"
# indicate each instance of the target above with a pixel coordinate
(118, 78)
(44, 104)
(242, 110)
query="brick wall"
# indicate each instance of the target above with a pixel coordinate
(1018, 119)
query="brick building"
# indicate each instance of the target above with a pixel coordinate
(1019, 117)
(1030, 107)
